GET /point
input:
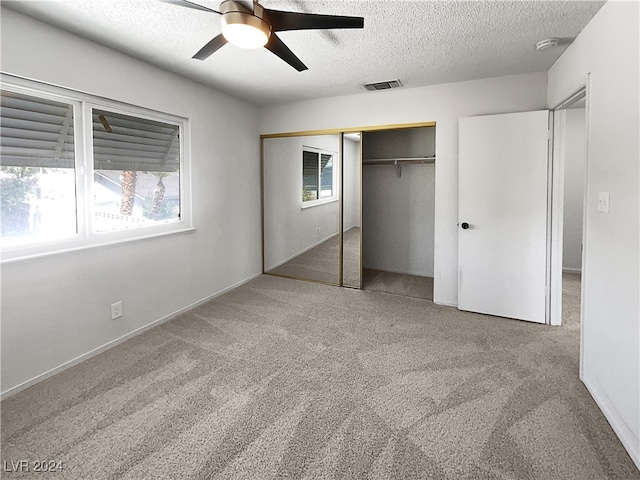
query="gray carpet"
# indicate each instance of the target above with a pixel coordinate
(351, 254)
(322, 262)
(571, 300)
(397, 284)
(288, 379)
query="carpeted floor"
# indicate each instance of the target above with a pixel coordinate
(571, 301)
(322, 262)
(351, 254)
(397, 284)
(287, 379)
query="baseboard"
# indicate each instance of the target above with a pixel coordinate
(628, 439)
(571, 270)
(301, 252)
(446, 304)
(117, 341)
(402, 272)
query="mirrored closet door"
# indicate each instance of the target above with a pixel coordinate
(301, 207)
(352, 212)
(353, 209)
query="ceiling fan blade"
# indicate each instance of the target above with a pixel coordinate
(216, 43)
(281, 21)
(278, 47)
(188, 4)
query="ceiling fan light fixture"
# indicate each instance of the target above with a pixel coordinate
(245, 30)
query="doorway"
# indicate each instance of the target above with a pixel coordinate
(568, 209)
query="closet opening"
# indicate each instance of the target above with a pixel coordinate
(398, 209)
(337, 204)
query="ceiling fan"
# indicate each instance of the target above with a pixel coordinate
(250, 25)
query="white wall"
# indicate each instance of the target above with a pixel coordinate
(56, 309)
(444, 104)
(574, 180)
(351, 201)
(398, 214)
(289, 229)
(608, 49)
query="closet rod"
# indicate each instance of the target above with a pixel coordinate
(398, 162)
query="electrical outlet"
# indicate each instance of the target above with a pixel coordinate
(116, 310)
(603, 202)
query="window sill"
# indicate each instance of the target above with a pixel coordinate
(317, 203)
(17, 256)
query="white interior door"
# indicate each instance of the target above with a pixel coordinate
(502, 238)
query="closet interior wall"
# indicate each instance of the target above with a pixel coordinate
(398, 212)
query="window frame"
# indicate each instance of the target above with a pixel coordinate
(334, 178)
(85, 236)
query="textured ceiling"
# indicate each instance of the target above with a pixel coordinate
(419, 42)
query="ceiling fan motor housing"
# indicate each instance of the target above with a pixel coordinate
(236, 15)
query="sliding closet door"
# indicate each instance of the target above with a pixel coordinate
(351, 210)
(301, 207)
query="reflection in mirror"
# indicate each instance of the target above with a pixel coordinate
(351, 208)
(302, 208)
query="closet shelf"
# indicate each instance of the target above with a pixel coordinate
(400, 161)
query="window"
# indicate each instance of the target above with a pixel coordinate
(136, 171)
(37, 168)
(318, 176)
(78, 171)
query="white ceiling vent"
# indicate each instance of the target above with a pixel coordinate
(383, 85)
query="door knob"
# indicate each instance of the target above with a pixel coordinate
(464, 225)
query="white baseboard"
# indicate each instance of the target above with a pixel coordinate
(403, 272)
(446, 304)
(571, 270)
(628, 439)
(92, 353)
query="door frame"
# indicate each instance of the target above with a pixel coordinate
(557, 213)
(331, 131)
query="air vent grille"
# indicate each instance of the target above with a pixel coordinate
(383, 85)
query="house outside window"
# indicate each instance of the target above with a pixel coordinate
(136, 176)
(37, 168)
(79, 171)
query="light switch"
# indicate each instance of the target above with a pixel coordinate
(603, 202)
